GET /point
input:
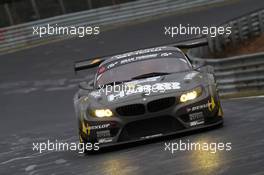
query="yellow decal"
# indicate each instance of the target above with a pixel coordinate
(211, 105)
(81, 140)
(85, 128)
(220, 110)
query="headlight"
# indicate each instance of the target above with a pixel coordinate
(103, 113)
(191, 95)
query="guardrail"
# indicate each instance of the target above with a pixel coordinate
(20, 36)
(243, 28)
(236, 74)
(240, 73)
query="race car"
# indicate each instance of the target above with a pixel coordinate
(145, 94)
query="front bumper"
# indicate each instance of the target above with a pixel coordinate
(182, 117)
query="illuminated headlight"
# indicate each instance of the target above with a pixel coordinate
(103, 113)
(191, 95)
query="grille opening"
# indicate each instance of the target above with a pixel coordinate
(185, 118)
(130, 110)
(161, 104)
(152, 126)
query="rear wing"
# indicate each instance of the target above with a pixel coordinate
(95, 62)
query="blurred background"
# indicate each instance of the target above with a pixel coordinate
(20, 11)
(37, 83)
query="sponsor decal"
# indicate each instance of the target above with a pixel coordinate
(103, 126)
(197, 108)
(136, 56)
(196, 116)
(210, 105)
(166, 54)
(198, 122)
(86, 128)
(104, 133)
(139, 52)
(133, 59)
(105, 140)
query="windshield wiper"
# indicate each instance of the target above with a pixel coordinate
(152, 74)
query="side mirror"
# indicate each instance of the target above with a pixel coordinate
(86, 85)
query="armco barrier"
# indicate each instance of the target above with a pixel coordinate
(243, 28)
(240, 73)
(236, 74)
(20, 36)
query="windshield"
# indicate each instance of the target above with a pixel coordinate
(135, 70)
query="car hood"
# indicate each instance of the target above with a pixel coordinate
(147, 88)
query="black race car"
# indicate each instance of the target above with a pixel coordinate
(145, 94)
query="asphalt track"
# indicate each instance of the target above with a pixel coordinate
(36, 90)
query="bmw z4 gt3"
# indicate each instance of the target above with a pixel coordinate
(145, 94)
